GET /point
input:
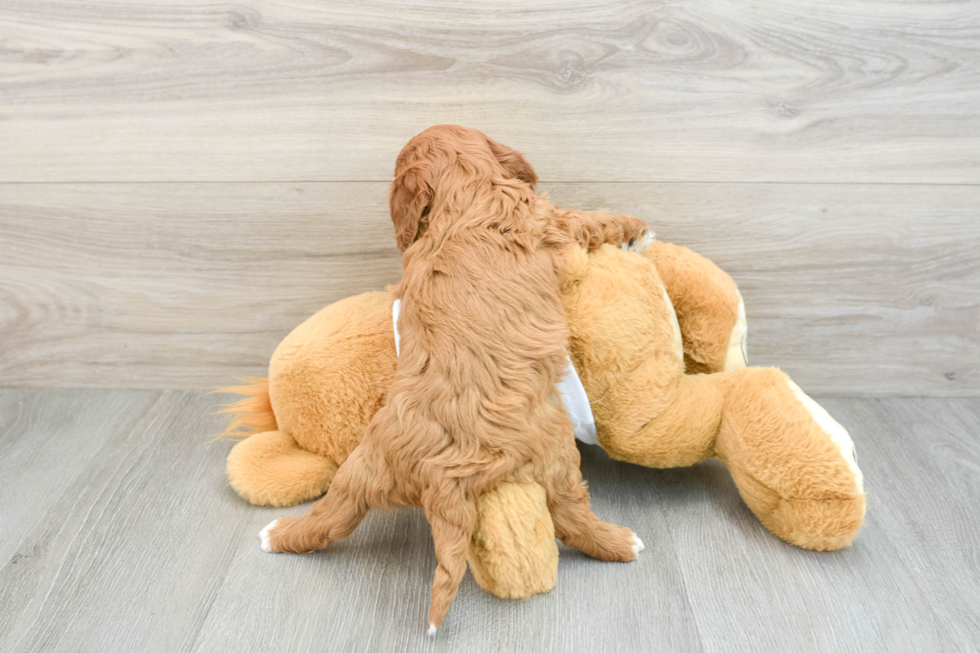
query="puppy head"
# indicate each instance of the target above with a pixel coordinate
(443, 159)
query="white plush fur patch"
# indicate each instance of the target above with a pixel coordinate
(737, 356)
(396, 308)
(675, 325)
(577, 405)
(838, 434)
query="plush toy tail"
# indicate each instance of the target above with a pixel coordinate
(271, 469)
(253, 414)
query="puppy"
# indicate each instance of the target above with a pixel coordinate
(473, 402)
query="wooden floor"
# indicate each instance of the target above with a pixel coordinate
(118, 532)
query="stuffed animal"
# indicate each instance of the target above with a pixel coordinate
(657, 340)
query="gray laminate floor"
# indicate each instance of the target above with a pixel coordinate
(118, 532)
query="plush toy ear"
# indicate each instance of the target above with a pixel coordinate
(411, 194)
(514, 163)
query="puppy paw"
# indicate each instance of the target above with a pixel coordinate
(639, 244)
(614, 543)
(637, 545)
(264, 537)
(432, 630)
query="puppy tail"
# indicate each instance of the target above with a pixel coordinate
(253, 413)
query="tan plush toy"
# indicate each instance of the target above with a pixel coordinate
(657, 339)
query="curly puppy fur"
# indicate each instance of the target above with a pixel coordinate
(473, 402)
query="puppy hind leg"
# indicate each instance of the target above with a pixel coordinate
(333, 517)
(576, 526)
(452, 529)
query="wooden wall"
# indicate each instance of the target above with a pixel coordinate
(182, 183)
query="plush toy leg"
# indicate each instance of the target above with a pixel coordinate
(793, 464)
(627, 346)
(709, 308)
(513, 553)
(790, 460)
(677, 430)
(270, 469)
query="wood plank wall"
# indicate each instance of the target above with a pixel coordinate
(182, 183)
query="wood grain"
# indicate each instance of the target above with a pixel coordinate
(290, 90)
(130, 554)
(937, 443)
(47, 439)
(155, 285)
(143, 547)
(852, 289)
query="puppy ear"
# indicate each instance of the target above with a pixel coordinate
(411, 194)
(514, 163)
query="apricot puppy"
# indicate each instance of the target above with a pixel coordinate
(473, 402)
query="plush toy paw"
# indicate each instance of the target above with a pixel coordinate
(264, 537)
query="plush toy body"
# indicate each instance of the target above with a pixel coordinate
(658, 341)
